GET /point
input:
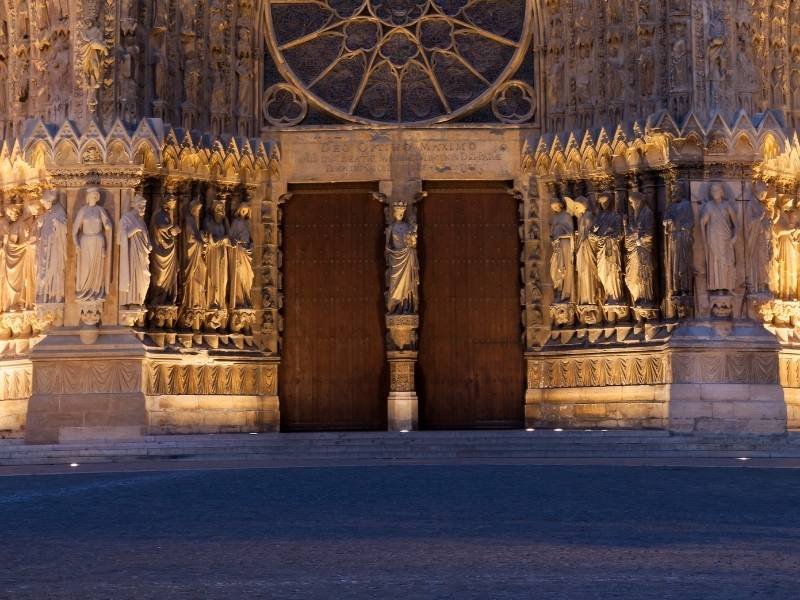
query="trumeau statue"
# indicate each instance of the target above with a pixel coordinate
(193, 260)
(758, 239)
(215, 230)
(787, 255)
(91, 233)
(134, 255)
(403, 266)
(164, 258)
(678, 231)
(718, 226)
(639, 238)
(607, 235)
(241, 259)
(51, 251)
(585, 257)
(562, 259)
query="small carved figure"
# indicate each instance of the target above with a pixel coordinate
(607, 235)
(193, 272)
(134, 256)
(678, 228)
(91, 233)
(164, 258)
(562, 259)
(786, 263)
(403, 266)
(718, 226)
(215, 230)
(639, 238)
(51, 251)
(758, 237)
(241, 259)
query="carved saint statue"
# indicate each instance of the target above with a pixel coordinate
(91, 233)
(403, 266)
(51, 251)
(718, 226)
(215, 229)
(93, 54)
(607, 235)
(193, 271)
(585, 258)
(678, 228)
(786, 262)
(639, 238)
(164, 258)
(20, 262)
(5, 226)
(134, 255)
(562, 261)
(241, 259)
(758, 238)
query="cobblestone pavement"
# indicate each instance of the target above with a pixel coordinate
(468, 531)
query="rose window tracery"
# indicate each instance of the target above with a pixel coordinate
(406, 61)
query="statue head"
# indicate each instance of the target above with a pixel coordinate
(399, 210)
(169, 202)
(92, 196)
(49, 198)
(760, 191)
(139, 204)
(243, 212)
(219, 210)
(195, 207)
(786, 203)
(604, 201)
(636, 200)
(581, 206)
(717, 193)
(557, 205)
(13, 212)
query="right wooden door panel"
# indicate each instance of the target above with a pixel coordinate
(471, 372)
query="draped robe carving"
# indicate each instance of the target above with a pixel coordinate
(585, 258)
(402, 262)
(678, 228)
(193, 273)
(91, 233)
(562, 261)
(787, 254)
(164, 258)
(607, 235)
(241, 260)
(718, 224)
(51, 251)
(640, 265)
(216, 229)
(134, 257)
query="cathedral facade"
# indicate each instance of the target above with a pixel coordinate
(240, 216)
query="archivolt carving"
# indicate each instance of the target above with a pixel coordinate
(401, 60)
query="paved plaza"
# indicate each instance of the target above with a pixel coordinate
(413, 531)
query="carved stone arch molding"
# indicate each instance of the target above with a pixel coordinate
(405, 61)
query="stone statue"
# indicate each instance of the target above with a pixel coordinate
(607, 235)
(134, 255)
(786, 263)
(164, 258)
(20, 261)
(91, 233)
(215, 229)
(639, 238)
(93, 54)
(718, 226)
(4, 231)
(562, 259)
(678, 228)
(193, 260)
(52, 250)
(758, 242)
(585, 257)
(401, 259)
(241, 259)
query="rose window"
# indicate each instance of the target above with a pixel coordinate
(398, 61)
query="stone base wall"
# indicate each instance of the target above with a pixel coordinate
(15, 391)
(212, 414)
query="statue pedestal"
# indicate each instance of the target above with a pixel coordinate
(725, 380)
(86, 392)
(402, 404)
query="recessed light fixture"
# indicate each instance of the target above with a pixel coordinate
(559, 429)
(73, 465)
(742, 458)
(530, 429)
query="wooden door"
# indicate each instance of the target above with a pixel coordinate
(333, 373)
(471, 372)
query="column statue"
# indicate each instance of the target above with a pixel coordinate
(786, 263)
(679, 251)
(215, 230)
(403, 267)
(5, 227)
(639, 238)
(585, 258)
(193, 263)
(607, 235)
(16, 246)
(758, 238)
(241, 259)
(562, 259)
(51, 251)
(91, 233)
(718, 226)
(134, 255)
(164, 258)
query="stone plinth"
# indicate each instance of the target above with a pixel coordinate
(725, 381)
(87, 392)
(402, 403)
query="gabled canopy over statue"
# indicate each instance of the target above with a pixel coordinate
(401, 259)
(91, 234)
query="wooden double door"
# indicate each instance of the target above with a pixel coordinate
(333, 373)
(470, 372)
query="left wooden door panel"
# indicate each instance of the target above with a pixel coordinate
(333, 372)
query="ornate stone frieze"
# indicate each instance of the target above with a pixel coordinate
(167, 378)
